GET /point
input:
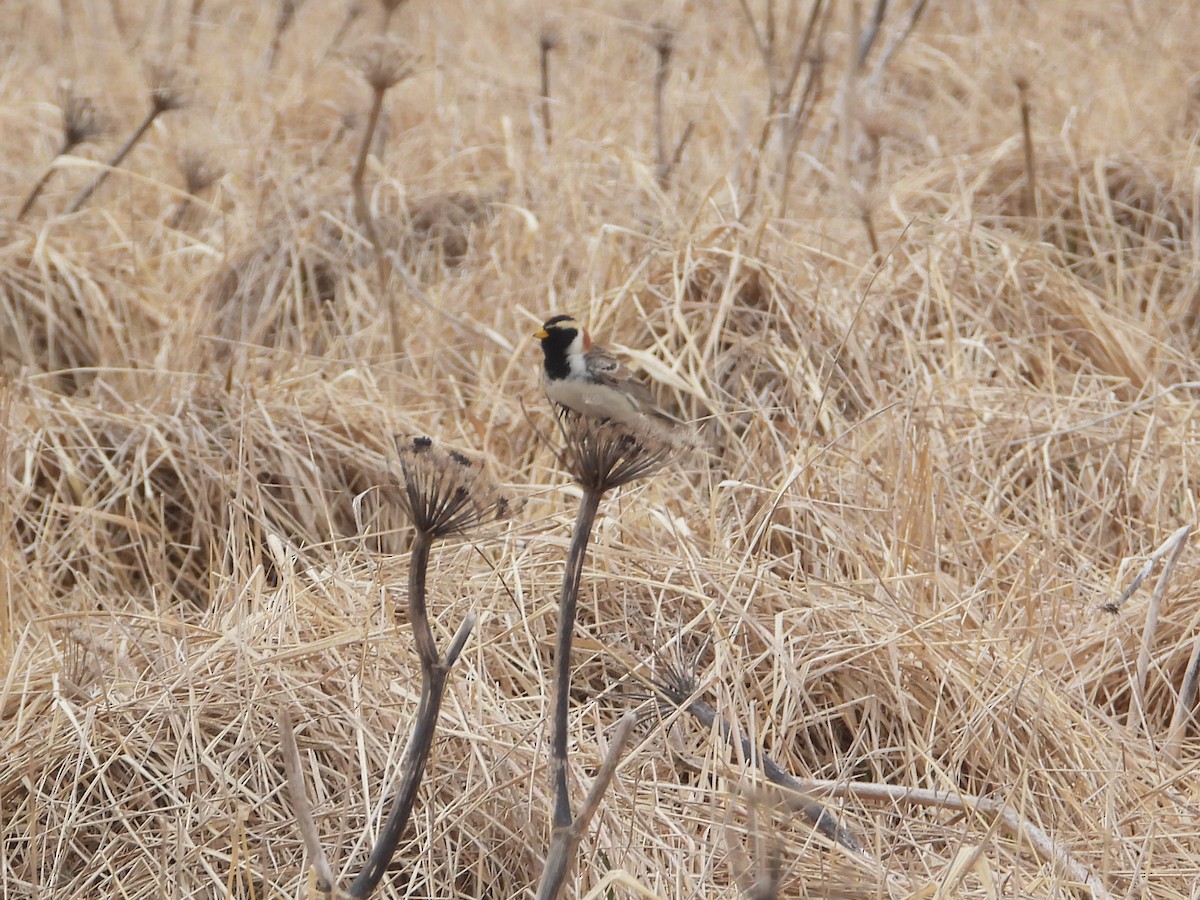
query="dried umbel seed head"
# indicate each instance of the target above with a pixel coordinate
(444, 492)
(385, 62)
(199, 171)
(551, 37)
(81, 120)
(602, 455)
(664, 42)
(166, 85)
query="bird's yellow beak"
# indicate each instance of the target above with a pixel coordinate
(541, 334)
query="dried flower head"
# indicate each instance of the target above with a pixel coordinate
(551, 36)
(199, 171)
(166, 85)
(81, 121)
(444, 492)
(385, 62)
(602, 455)
(664, 42)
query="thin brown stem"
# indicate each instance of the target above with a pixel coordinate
(664, 46)
(192, 28)
(546, 43)
(361, 209)
(870, 35)
(567, 604)
(434, 672)
(181, 210)
(1029, 198)
(37, 188)
(677, 156)
(117, 158)
(1185, 703)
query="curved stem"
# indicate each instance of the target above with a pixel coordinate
(416, 755)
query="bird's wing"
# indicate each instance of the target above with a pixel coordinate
(607, 369)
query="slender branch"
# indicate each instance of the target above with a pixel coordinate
(1167, 546)
(564, 844)
(897, 41)
(1152, 611)
(870, 35)
(1041, 842)
(300, 805)
(815, 812)
(763, 50)
(677, 156)
(418, 612)
(567, 604)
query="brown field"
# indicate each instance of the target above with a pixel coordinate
(944, 369)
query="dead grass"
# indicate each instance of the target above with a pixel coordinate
(924, 476)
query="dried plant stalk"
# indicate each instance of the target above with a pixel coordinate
(165, 95)
(547, 41)
(677, 686)
(444, 493)
(80, 123)
(1029, 196)
(601, 456)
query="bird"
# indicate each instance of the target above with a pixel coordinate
(583, 377)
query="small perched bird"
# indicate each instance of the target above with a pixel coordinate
(588, 379)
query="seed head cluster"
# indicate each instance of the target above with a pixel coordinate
(444, 492)
(603, 455)
(81, 119)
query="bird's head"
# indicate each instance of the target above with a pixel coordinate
(563, 335)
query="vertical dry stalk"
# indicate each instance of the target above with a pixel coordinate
(193, 26)
(601, 457)
(568, 601)
(547, 41)
(868, 189)
(165, 95)
(434, 671)
(385, 66)
(664, 46)
(443, 493)
(564, 844)
(1029, 204)
(800, 113)
(283, 19)
(784, 117)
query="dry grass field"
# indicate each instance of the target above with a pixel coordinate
(928, 287)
